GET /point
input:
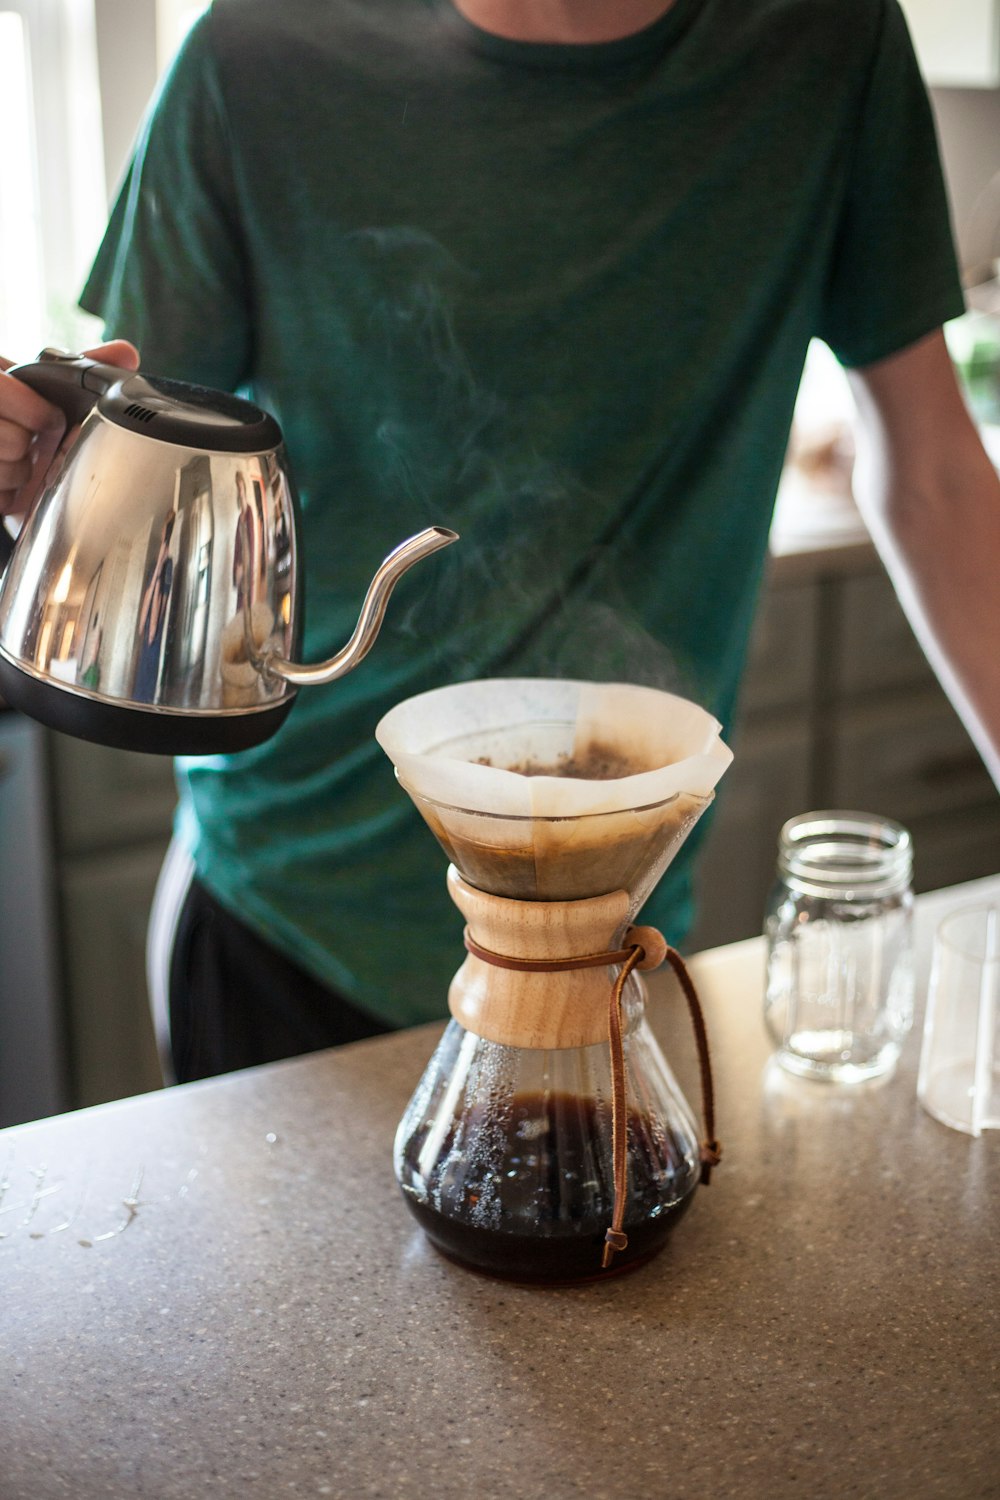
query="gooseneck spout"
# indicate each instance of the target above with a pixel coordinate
(369, 620)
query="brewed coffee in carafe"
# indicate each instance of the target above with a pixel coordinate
(548, 1140)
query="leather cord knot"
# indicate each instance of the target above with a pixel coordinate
(709, 1154)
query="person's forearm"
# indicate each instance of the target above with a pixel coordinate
(934, 514)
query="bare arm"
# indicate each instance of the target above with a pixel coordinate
(931, 499)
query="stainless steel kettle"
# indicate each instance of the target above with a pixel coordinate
(151, 599)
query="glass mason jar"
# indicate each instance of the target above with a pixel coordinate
(839, 927)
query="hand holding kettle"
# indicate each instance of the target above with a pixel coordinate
(32, 430)
(151, 599)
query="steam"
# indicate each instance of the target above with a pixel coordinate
(467, 458)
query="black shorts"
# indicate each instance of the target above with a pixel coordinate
(236, 1002)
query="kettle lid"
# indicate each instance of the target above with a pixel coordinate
(192, 416)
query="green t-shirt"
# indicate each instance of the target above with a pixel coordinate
(555, 297)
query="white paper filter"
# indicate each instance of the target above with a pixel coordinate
(435, 739)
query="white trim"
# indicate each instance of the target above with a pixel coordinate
(172, 887)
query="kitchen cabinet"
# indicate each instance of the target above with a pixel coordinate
(33, 1078)
(109, 799)
(112, 812)
(106, 901)
(863, 727)
(769, 781)
(957, 44)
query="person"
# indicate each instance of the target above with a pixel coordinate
(545, 272)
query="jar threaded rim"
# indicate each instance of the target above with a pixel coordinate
(845, 851)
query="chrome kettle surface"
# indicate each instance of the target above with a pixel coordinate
(150, 601)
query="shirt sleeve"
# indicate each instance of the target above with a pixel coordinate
(893, 276)
(171, 273)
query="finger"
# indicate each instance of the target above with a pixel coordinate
(16, 473)
(117, 352)
(32, 429)
(43, 451)
(26, 408)
(15, 442)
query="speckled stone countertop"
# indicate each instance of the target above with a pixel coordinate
(218, 1290)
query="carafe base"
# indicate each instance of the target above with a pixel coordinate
(550, 1260)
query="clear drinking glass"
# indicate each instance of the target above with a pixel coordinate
(959, 1080)
(839, 927)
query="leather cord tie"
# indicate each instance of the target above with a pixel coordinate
(646, 949)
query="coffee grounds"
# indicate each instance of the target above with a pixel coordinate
(598, 762)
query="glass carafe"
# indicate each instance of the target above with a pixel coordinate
(504, 1154)
(548, 1140)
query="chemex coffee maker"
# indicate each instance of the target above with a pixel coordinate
(548, 1141)
(153, 600)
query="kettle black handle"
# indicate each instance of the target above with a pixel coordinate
(72, 383)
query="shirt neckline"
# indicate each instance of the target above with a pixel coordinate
(587, 57)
